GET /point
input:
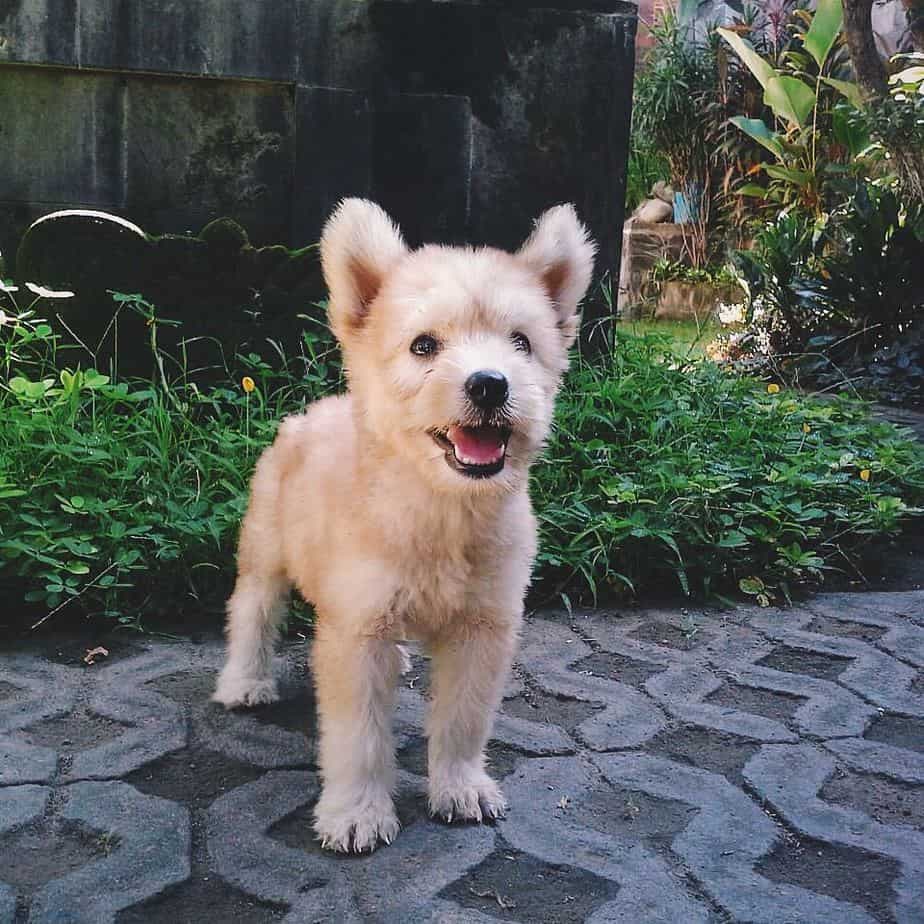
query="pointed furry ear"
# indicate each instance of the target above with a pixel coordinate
(359, 244)
(561, 252)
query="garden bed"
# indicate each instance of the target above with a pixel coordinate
(122, 499)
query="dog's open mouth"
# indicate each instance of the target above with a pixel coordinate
(478, 452)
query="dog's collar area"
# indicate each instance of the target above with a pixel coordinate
(476, 452)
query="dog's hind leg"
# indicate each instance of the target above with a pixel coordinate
(258, 604)
(468, 682)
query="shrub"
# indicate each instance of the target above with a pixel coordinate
(667, 473)
(123, 499)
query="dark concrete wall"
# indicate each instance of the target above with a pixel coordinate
(465, 118)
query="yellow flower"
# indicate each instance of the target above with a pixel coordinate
(773, 389)
(806, 428)
(247, 384)
(865, 474)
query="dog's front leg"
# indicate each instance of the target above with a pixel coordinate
(356, 678)
(468, 682)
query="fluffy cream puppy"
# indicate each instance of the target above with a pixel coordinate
(400, 509)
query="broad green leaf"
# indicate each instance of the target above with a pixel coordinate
(790, 99)
(848, 89)
(823, 32)
(752, 189)
(757, 129)
(751, 585)
(789, 174)
(848, 134)
(752, 60)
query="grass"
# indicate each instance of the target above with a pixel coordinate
(687, 338)
(123, 499)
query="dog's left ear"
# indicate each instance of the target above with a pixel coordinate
(359, 245)
(561, 252)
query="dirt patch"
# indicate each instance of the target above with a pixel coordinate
(48, 849)
(296, 713)
(70, 647)
(194, 776)
(769, 703)
(78, 731)
(618, 667)
(502, 759)
(539, 706)
(845, 873)
(514, 886)
(186, 687)
(718, 752)
(901, 731)
(663, 633)
(812, 663)
(884, 800)
(824, 625)
(629, 814)
(202, 898)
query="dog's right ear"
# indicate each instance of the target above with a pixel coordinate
(359, 245)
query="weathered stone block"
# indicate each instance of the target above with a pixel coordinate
(334, 155)
(60, 135)
(39, 31)
(217, 38)
(422, 165)
(199, 149)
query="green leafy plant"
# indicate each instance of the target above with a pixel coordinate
(666, 270)
(123, 498)
(663, 471)
(799, 94)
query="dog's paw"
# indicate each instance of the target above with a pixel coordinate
(467, 796)
(357, 827)
(233, 691)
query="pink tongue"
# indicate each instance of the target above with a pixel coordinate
(482, 446)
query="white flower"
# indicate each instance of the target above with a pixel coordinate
(4, 318)
(42, 292)
(731, 314)
(7, 288)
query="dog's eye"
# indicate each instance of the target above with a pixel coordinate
(424, 345)
(521, 342)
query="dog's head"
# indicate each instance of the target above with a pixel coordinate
(454, 355)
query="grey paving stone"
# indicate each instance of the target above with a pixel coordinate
(152, 843)
(42, 691)
(18, 806)
(876, 757)
(546, 820)
(650, 792)
(790, 777)
(723, 842)
(626, 717)
(425, 858)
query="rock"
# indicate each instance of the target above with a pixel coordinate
(224, 234)
(80, 250)
(653, 212)
(663, 191)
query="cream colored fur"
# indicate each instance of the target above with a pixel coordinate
(356, 506)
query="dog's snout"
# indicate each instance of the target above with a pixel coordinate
(487, 388)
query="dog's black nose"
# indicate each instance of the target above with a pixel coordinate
(487, 388)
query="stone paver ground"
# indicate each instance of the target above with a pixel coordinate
(662, 766)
